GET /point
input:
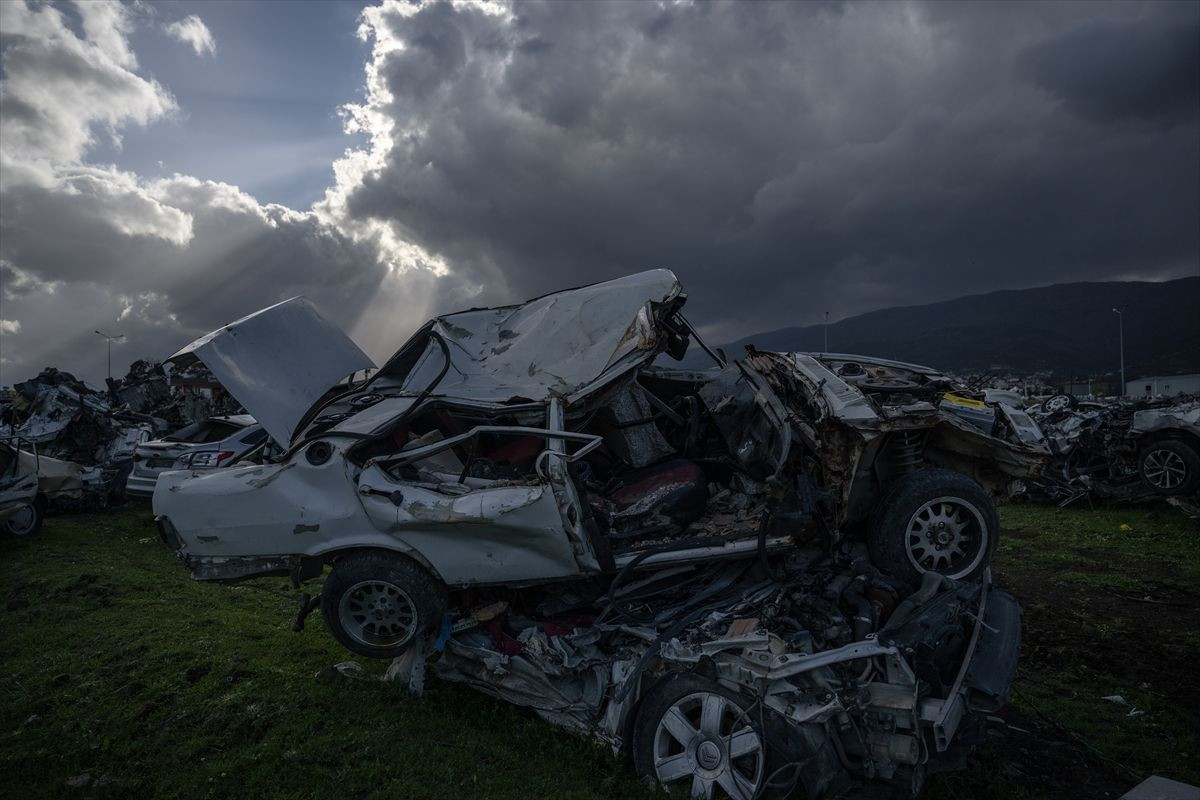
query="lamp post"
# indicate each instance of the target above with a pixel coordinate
(115, 338)
(826, 332)
(1120, 312)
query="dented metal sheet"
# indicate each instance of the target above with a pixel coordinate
(1184, 417)
(554, 345)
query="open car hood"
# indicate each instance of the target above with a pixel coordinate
(277, 362)
(560, 344)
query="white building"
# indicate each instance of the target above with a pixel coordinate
(1164, 385)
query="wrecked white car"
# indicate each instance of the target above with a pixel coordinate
(19, 512)
(767, 574)
(1119, 450)
(32, 483)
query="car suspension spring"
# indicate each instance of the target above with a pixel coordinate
(907, 449)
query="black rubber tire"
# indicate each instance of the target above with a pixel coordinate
(1191, 462)
(39, 514)
(665, 694)
(427, 594)
(887, 535)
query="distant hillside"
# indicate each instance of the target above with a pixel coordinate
(1068, 329)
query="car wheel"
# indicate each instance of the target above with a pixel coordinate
(693, 734)
(26, 521)
(378, 604)
(1059, 403)
(1170, 467)
(934, 520)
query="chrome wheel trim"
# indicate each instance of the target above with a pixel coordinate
(949, 531)
(23, 521)
(704, 738)
(378, 614)
(1164, 469)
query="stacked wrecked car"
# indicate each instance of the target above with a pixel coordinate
(1119, 450)
(83, 449)
(773, 573)
(31, 483)
(72, 432)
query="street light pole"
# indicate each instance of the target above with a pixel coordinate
(117, 337)
(1120, 312)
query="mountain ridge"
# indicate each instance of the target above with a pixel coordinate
(1067, 329)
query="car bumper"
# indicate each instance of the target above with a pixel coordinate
(140, 486)
(989, 667)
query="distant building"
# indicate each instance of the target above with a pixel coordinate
(1089, 387)
(1164, 385)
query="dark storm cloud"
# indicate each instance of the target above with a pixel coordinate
(86, 246)
(198, 254)
(788, 158)
(782, 158)
(1143, 69)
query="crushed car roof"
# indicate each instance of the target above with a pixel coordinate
(558, 344)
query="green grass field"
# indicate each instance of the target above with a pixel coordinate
(115, 664)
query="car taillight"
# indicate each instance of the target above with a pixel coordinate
(210, 459)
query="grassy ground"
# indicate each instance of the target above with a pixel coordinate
(1111, 598)
(116, 666)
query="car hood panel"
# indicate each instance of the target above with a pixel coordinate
(277, 362)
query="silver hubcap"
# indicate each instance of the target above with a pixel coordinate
(946, 535)
(1164, 469)
(706, 740)
(22, 522)
(378, 613)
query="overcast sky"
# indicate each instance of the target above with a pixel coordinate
(168, 167)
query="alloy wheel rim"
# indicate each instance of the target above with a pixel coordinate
(21, 523)
(1164, 469)
(705, 740)
(946, 535)
(378, 614)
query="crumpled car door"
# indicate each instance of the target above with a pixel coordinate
(476, 530)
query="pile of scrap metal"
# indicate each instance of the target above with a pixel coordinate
(771, 573)
(749, 679)
(146, 389)
(1120, 450)
(62, 419)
